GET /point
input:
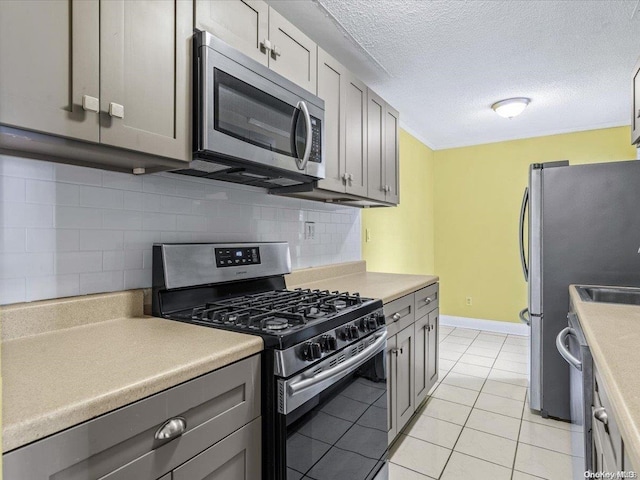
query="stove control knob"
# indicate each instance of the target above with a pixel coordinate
(380, 318)
(372, 322)
(311, 351)
(328, 343)
(354, 332)
(343, 333)
(363, 325)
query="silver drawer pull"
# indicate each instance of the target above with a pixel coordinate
(396, 316)
(172, 428)
(600, 414)
(428, 300)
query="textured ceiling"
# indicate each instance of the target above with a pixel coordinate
(443, 63)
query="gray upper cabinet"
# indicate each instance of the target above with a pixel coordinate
(383, 150)
(115, 73)
(142, 41)
(375, 145)
(49, 66)
(243, 24)
(293, 55)
(345, 127)
(635, 112)
(260, 32)
(391, 157)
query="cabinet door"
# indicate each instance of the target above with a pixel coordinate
(145, 76)
(391, 155)
(635, 114)
(392, 379)
(375, 146)
(293, 54)
(237, 457)
(434, 345)
(421, 334)
(331, 88)
(243, 24)
(356, 163)
(405, 396)
(49, 61)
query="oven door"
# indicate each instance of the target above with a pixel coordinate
(245, 113)
(338, 427)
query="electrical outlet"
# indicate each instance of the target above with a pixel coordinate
(469, 301)
(309, 230)
(367, 235)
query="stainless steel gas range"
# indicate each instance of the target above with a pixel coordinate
(324, 391)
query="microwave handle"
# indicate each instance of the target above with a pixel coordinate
(302, 163)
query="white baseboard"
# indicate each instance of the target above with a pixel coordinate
(482, 324)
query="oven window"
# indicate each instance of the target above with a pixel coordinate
(342, 432)
(253, 116)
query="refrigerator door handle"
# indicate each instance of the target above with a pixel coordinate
(564, 351)
(523, 214)
(524, 316)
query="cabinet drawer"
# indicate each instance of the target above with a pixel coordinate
(426, 300)
(609, 435)
(399, 314)
(122, 445)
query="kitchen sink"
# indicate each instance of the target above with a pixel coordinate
(623, 295)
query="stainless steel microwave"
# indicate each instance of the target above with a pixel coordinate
(252, 125)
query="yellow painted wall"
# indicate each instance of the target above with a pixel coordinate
(478, 191)
(458, 215)
(402, 237)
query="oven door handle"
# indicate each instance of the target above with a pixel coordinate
(564, 351)
(302, 163)
(341, 368)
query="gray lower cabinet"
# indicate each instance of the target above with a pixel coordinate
(412, 354)
(217, 412)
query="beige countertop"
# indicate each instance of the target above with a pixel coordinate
(386, 286)
(613, 334)
(62, 377)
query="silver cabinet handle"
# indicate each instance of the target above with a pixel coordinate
(172, 428)
(600, 414)
(90, 104)
(265, 46)
(345, 176)
(397, 351)
(350, 179)
(428, 300)
(116, 110)
(564, 351)
(396, 316)
(275, 53)
(524, 316)
(302, 164)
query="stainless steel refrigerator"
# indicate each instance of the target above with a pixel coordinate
(583, 227)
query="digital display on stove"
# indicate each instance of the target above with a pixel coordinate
(237, 256)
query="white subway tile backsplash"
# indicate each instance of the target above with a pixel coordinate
(14, 214)
(137, 279)
(12, 240)
(52, 240)
(71, 230)
(78, 262)
(91, 240)
(101, 282)
(101, 197)
(12, 189)
(80, 175)
(77, 217)
(18, 167)
(19, 265)
(52, 286)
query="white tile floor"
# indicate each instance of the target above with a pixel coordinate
(477, 422)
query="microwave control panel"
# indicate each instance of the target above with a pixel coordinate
(237, 257)
(316, 140)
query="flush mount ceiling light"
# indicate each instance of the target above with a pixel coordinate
(511, 107)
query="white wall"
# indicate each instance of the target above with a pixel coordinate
(67, 230)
